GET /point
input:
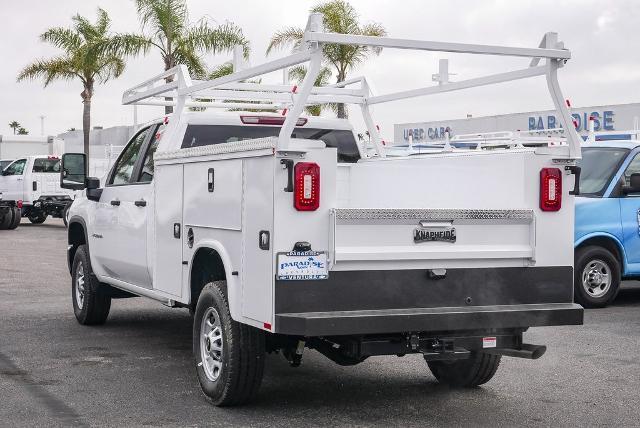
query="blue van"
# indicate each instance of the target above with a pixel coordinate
(607, 224)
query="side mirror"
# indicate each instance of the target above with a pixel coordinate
(73, 171)
(634, 184)
(94, 192)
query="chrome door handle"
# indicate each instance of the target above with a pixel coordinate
(140, 203)
(115, 203)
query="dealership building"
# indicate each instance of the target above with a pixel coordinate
(614, 119)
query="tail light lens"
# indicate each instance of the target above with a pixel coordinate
(550, 189)
(306, 188)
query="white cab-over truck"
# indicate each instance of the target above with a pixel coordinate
(30, 187)
(281, 233)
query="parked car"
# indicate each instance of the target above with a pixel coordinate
(32, 184)
(607, 224)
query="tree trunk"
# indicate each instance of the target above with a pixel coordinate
(86, 95)
(168, 64)
(342, 110)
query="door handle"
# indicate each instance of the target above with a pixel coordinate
(115, 203)
(141, 203)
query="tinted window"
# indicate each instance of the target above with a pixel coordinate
(46, 165)
(148, 165)
(16, 168)
(123, 168)
(633, 168)
(206, 135)
(4, 163)
(598, 166)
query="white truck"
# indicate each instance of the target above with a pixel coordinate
(281, 233)
(30, 187)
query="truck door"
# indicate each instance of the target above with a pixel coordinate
(12, 183)
(630, 217)
(120, 233)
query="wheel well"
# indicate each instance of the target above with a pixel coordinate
(76, 238)
(207, 267)
(604, 242)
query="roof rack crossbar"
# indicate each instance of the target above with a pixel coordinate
(424, 45)
(234, 88)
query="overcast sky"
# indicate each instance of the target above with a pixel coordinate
(603, 36)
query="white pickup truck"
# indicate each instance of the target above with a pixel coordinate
(281, 233)
(30, 186)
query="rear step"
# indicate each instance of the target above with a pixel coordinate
(428, 319)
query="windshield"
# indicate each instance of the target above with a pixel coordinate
(4, 164)
(598, 166)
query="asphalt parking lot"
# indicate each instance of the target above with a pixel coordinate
(137, 369)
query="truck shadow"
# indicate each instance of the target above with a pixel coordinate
(628, 296)
(384, 388)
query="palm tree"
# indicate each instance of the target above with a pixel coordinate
(179, 41)
(14, 125)
(91, 53)
(22, 131)
(339, 17)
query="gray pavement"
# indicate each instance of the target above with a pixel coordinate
(137, 369)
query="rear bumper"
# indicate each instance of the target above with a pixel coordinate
(448, 319)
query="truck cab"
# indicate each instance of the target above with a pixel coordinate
(607, 225)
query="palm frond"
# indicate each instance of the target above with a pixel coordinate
(103, 22)
(291, 36)
(59, 68)
(62, 38)
(109, 67)
(221, 70)
(204, 38)
(127, 45)
(166, 18)
(194, 63)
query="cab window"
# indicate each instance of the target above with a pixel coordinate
(123, 169)
(46, 165)
(16, 168)
(148, 165)
(633, 168)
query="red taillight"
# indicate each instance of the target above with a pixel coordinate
(19, 204)
(269, 120)
(550, 189)
(306, 189)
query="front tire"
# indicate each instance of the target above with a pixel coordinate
(90, 306)
(596, 277)
(37, 217)
(478, 369)
(229, 356)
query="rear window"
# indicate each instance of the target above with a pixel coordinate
(46, 165)
(206, 135)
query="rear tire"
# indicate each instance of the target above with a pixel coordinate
(229, 356)
(90, 306)
(478, 369)
(596, 277)
(16, 217)
(6, 218)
